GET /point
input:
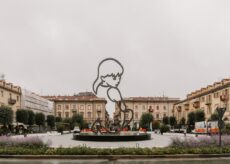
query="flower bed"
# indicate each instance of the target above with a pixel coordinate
(201, 141)
(26, 142)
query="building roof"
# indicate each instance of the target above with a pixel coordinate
(152, 99)
(225, 83)
(10, 87)
(82, 96)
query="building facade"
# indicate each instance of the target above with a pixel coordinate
(87, 104)
(159, 107)
(36, 103)
(10, 95)
(206, 99)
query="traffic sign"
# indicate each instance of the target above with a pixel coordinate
(221, 124)
(220, 112)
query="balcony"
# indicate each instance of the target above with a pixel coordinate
(150, 110)
(11, 101)
(179, 109)
(196, 104)
(224, 97)
(208, 102)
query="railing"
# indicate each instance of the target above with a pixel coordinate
(11, 101)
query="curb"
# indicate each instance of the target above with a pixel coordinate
(114, 157)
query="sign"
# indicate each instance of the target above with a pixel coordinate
(221, 112)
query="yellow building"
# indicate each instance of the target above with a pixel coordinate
(206, 99)
(159, 107)
(86, 103)
(10, 95)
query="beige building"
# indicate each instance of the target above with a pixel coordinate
(206, 99)
(10, 95)
(86, 103)
(159, 107)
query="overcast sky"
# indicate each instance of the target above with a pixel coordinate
(166, 46)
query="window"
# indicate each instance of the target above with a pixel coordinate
(143, 107)
(164, 115)
(74, 106)
(59, 107)
(136, 107)
(67, 114)
(98, 107)
(82, 113)
(66, 106)
(74, 112)
(17, 98)
(216, 95)
(126, 116)
(89, 107)
(136, 116)
(59, 114)
(164, 107)
(2, 93)
(81, 107)
(157, 116)
(203, 99)
(157, 107)
(89, 114)
(10, 96)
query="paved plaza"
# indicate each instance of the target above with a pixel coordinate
(66, 140)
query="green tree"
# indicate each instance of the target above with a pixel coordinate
(165, 120)
(199, 115)
(146, 119)
(40, 120)
(70, 123)
(191, 118)
(214, 117)
(6, 115)
(182, 121)
(172, 121)
(78, 120)
(22, 116)
(58, 119)
(51, 121)
(31, 118)
(156, 125)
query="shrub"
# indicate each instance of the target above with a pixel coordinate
(51, 121)
(60, 128)
(25, 142)
(164, 128)
(202, 141)
(226, 129)
(156, 125)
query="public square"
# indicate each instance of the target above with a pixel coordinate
(66, 140)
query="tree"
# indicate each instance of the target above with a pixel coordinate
(51, 121)
(77, 119)
(146, 119)
(40, 120)
(191, 118)
(199, 115)
(31, 118)
(182, 121)
(172, 121)
(6, 115)
(22, 116)
(166, 120)
(156, 125)
(214, 117)
(58, 119)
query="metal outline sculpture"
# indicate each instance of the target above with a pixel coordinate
(101, 82)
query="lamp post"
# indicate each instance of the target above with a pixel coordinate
(220, 112)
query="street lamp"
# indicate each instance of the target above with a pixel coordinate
(220, 112)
